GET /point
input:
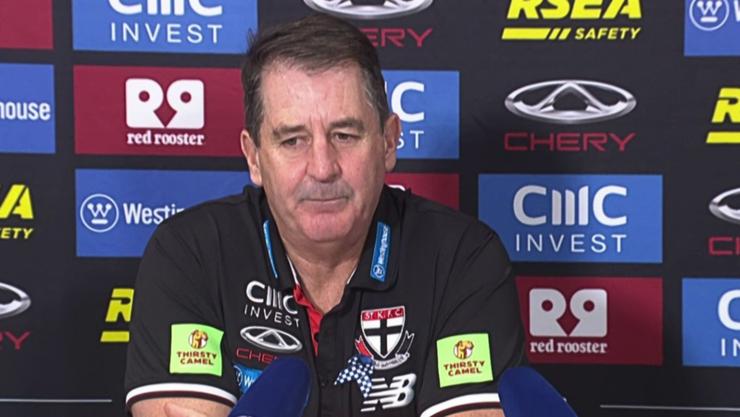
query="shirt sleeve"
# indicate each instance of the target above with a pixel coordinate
(478, 332)
(176, 347)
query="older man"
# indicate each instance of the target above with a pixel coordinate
(322, 261)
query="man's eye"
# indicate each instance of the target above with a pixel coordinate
(289, 142)
(344, 137)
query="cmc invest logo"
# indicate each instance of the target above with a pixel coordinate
(711, 322)
(712, 27)
(578, 20)
(569, 102)
(575, 218)
(13, 301)
(593, 319)
(27, 108)
(428, 103)
(726, 117)
(182, 26)
(157, 111)
(119, 209)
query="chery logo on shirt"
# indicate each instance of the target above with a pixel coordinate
(157, 111)
(593, 319)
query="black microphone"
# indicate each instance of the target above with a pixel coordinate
(281, 390)
(526, 393)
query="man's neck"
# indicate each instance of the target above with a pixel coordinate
(325, 270)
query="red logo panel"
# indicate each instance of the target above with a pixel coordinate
(442, 188)
(157, 111)
(593, 319)
(26, 24)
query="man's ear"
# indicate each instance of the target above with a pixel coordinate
(250, 151)
(391, 133)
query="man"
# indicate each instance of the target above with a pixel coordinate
(322, 262)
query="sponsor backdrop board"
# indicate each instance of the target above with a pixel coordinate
(600, 138)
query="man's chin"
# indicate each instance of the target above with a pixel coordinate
(327, 228)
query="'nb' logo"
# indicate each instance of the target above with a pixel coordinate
(709, 14)
(99, 213)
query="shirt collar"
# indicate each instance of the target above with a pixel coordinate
(377, 269)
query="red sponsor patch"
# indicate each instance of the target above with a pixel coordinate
(442, 188)
(26, 24)
(593, 319)
(157, 111)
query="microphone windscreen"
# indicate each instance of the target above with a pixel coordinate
(526, 393)
(281, 390)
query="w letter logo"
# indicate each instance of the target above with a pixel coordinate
(709, 15)
(99, 213)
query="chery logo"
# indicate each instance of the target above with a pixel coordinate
(369, 9)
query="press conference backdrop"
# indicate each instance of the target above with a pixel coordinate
(600, 138)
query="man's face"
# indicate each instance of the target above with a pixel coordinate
(323, 156)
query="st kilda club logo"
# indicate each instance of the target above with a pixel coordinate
(383, 337)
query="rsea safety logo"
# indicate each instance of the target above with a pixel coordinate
(579, 20)
(16, 212)
(726, 116)
(157, 111)
(575, 218)
(711, 322)
(117, 210)
(178, 26)
(13, 301)
(428, 103)
(26, 25)
(569, 102)
(442, 188)
(27, 108)
(592, 319)
(396, 36)
(725, 206)
(118, 314)
(712, 27)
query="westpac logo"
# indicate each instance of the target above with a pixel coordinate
(27, 108)
(119, 209)
(726, 114)
(442, 188)
(591, 319)
(554, 20)
(575, 218)
(18, 17)
(182, 26)
(166, 111)
(428, 103)
(711, 322)
(712, 27)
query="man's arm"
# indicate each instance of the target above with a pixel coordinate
(178, 407)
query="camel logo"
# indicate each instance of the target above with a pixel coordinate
(463, 349)
(368, 9)
(198, 339)
(709, 15)
(99, 213)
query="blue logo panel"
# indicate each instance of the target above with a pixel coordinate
(27, 108)
(711, 322)
(118, 210)
(428, 103)
(245, 377)
(712, 28)
(575, 218)
(180, 26)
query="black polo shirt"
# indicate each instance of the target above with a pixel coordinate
(426, 325)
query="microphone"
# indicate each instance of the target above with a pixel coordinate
(281, 390)
(526, 393)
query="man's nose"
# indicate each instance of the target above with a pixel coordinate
(323, 164)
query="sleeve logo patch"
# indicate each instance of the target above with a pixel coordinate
(464, 359)
(195, 349)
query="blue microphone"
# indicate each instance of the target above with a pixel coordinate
(526, 393)
(281, 390)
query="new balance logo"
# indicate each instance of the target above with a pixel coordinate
(399, 393)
